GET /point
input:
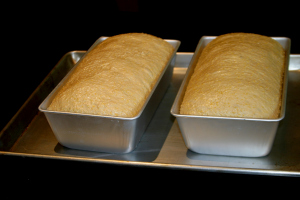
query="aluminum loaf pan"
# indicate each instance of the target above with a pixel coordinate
(225, 135)
(106, 133)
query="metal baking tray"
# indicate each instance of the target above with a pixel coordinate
(28, 133)
(227, 135)
(107, 133)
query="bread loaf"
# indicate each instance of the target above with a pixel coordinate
(237, 75)
(116, 77)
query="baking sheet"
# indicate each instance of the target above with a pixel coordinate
(162, 144)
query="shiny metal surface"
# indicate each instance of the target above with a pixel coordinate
(228, 136)
(104, 133)
(162, 144)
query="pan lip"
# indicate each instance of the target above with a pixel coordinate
(42, 106)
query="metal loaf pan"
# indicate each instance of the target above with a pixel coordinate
(106, 133)
(228, 136)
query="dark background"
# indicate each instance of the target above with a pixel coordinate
(36, 35)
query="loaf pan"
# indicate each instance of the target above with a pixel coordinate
(228, 136)
(105, 133)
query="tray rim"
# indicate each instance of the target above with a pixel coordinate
(235, 170)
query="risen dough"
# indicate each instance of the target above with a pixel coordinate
(237, 75)
(116, 77)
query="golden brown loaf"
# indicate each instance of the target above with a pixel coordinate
(116, 77)
(237, 75)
